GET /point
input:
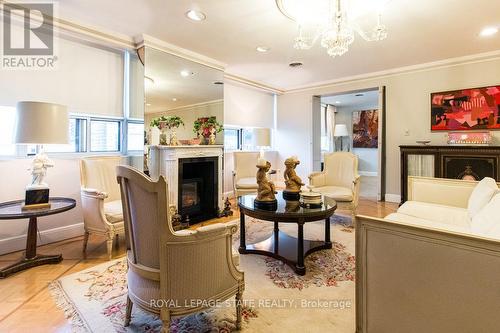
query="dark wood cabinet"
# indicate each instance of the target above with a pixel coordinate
(454, 162)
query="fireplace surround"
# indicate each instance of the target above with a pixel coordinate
(194, 179)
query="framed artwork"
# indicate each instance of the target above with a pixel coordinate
(365, 129)
(465, 110)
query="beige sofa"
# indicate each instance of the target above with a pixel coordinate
(429, 267)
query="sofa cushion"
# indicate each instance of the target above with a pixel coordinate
(336, 192)
(481, 195)
(420, 222)
(437, 213)
(487, 221)
(113, 211)
(249, 183)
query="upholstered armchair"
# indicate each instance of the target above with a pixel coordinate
(101, 204)
(244, 173)
(173, 273)
(339, 180)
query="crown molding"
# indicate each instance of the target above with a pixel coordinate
(79, 31)
(254, 84)
(160, 45)
(440, 64)
(189, 106)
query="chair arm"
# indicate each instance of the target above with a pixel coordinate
(93, 209)
(317, 179)
(91, 192)
(356, 190)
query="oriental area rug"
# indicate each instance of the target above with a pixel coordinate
(275, 298)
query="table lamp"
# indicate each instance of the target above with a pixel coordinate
(40, 123)
(340, 131)
(262, 138)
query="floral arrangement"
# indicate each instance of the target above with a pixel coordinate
(203, 126)
(167, 122)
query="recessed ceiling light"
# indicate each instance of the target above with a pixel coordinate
(218, 82)
(295, 64)
(186, 73)
(148, 79)
(262, 49)
(148, 104)
(195, 15)
(488, 31)
(359, 95)
(174, 99)
(337, 102)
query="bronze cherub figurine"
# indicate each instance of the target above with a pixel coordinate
(292, 181)
(266, 190)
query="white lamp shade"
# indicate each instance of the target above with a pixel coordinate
(262, 137)
(340, 130)
(42, 123)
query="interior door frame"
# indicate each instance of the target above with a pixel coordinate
(382, 157)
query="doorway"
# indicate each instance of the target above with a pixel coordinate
(353, 121)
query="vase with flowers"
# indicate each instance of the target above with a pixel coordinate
(165, 123)
(207, 128)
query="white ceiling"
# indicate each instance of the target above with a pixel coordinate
(367, 99)
(168, 84)
(419, 32)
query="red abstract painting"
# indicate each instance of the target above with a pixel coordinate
(468, 109)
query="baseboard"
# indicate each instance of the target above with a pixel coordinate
(368, 173)
(392, 197)
(18, 243)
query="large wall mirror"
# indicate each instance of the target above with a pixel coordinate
(177, 87)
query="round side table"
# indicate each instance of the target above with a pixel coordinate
(13, 210)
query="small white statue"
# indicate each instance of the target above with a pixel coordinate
(39, 170)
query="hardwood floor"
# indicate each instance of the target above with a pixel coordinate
(26, 303)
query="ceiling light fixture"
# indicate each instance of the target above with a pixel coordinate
(359, 95)
(174, 99)
(148, 104)
(488, 31)
(337, 102)
(332, 22)
(262, 49)
(218, 82)
(195, 15)
(186, 73)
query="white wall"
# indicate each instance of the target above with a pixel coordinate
(247, 107)
(189, 114)
(408, 97)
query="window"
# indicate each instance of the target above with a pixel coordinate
(104, 135)
(7, 126)
(247, 142)
(135, 136)
(232, 139)
(77, 138)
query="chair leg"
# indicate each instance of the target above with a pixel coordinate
(165, 318)
(109, 245)
(239, 306)
(85, 240)
(128, 313)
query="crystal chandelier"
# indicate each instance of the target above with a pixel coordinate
(333, 22)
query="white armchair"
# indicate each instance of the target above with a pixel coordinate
(244, 173)
(173, 273)
(102, 208)
(339, 180)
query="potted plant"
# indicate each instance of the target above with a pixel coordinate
(207, 127)
(168, 122)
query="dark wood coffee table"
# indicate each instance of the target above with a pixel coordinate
(13, 210)
(281, 246)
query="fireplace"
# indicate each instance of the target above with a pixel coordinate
(198, 188)
(469, 168)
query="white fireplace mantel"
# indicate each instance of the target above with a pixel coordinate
(164, 161)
